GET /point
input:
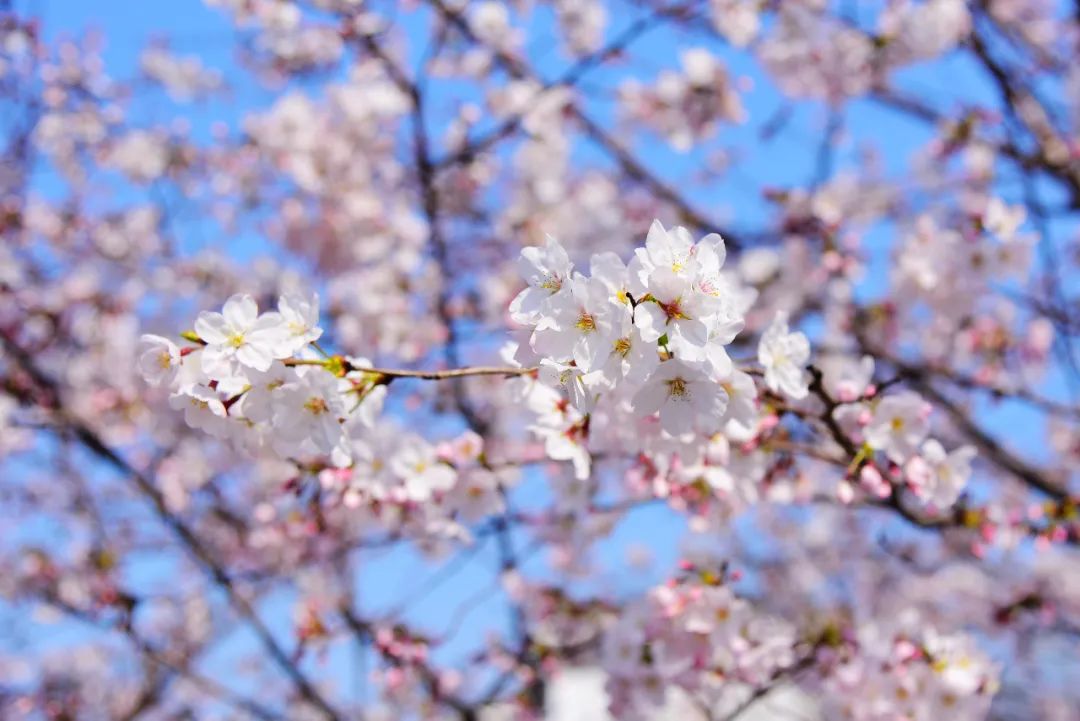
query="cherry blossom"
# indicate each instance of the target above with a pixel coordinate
(684, 397)
(938, 476)
(309, 408)
(898, 425)
(301, 318)
(159, 360)
(547, 271)
(580, 325)
(784, 355)
(425, 474)
(239, 336)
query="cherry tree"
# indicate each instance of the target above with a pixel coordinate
(411, 354)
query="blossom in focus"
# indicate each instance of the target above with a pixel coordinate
(239, 336)
(685, 398)
(300, 316)
(159, 359)
(580, 326)
(546, 270)
(309, 410)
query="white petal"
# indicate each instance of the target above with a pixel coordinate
(211, 327)
(255, 356)
(651, 321)
(650, 398)
(658, 245)
(240, 311)
(677, 418)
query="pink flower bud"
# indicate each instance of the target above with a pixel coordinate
(872, 482)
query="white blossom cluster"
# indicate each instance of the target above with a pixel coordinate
(643, 342)
(255, 379)
(696, 636)
(184, 78)
(685, 107)
(631, 358)
(391, 466)
(241, 381)
(949, 270)
(910, 671)
(897, 426)
(141, 155)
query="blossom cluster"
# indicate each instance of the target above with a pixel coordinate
(644, 341)
(950, 270)
(258, 381)
(893, 429)
(444, 484)
(240, 381)
(183, 78)
(685, 107)
(909, 670)
(697, 636)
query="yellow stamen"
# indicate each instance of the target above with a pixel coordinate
(677, 389)
(673, 310)
(551, 283)
(316, 406)
(586, 323)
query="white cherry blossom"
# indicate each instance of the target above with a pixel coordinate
(629, 356)
(742, 413)
(937, 476)
(846, 379)
(421, 470)
(239, 336)
(899, 424)
(676, 310)
(582, 388)
(300, 316)
(203, 409)
(309, 410)
(686, 399)
(784, 356)
(546, 271)
(580, 326)
(159, 359)
(672, 250)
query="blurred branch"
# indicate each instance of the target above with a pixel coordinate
(146, 486)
